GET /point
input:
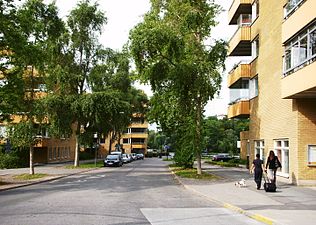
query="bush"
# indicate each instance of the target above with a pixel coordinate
(184, 158)
(86, 155)
(9, 160)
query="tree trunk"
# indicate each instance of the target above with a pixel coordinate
(76, 161)
(198, 136)
(31, 160)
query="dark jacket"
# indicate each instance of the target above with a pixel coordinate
(273, 163)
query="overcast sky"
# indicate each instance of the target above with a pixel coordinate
(123, 15)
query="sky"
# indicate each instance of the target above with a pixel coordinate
(123, 15)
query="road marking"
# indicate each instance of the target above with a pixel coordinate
(189, 216)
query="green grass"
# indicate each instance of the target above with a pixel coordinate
(168, 160)
(223, 164)
(86, 165)
(26, 176)
(192, 173)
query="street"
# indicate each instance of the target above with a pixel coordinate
(142, 192)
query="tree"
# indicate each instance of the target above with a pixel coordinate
(27, 32)
(87, 82)
(170, 51)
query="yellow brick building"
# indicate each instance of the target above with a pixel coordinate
(133, 140)
(276, 88)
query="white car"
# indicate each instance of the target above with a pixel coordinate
(125, 158)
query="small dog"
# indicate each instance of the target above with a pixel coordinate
(241, 183)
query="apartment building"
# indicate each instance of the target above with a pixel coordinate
(133, 140)
(276, 88)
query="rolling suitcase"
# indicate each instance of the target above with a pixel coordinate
(268, 185)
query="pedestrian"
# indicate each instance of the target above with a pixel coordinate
(272, 165)
(257, 168)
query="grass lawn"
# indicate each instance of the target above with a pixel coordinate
(26, 176)
(192, 173)
(87, 165)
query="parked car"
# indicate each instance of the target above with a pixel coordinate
(125, 158)
(140, 156)
(113, 160)
(222, 157)
(134, 157)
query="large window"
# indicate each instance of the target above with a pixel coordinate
(311, 155)
(255, 48)
(301, 50)
(281, 149)
(253, 87)
(255, 10)
(259, 148)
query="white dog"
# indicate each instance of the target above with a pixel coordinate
(241, 183)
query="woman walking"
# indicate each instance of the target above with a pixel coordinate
(257, 168)
(273, 163)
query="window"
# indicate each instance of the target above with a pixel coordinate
(50, 153)
(244, 20)
(255, 48)
(259, 148)
(3, 132)
(255, 10)
(291, 6)
(300, 51)
(125, 140)
(54, 153)
(253, 87)
(281, 149)
(311, 155)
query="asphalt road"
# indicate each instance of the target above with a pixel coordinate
(142, 192)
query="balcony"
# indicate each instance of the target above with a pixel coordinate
(300, 84)
(301, 15)
(239, 101)
(239, 110)
(239, 72)
(238, 7)
(240, 43)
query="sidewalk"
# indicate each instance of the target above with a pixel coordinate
(53, 171)
(289, 205)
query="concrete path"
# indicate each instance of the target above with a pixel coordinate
(289, 205)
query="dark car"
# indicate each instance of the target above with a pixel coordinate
(222, 157)
(113, 160)
(140, 156)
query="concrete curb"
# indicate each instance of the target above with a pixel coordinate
(44, 180)
(254, 216)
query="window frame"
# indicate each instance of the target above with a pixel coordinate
(259, 148)
(292, 50)
(309, 148)
(282, 148)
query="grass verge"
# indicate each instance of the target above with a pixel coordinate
(26, 176)
(87, 165)
(192, 173)
(224, 164)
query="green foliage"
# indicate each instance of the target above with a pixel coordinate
(8, 161)
(222, 135)
(170, 53)
(192, 174)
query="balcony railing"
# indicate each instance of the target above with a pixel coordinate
(237, 95)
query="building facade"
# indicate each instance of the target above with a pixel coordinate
(133, 140)
(276, 89)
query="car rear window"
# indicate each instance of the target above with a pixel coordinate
(112, 157)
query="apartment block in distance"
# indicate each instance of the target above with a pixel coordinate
(133, 140)
(276, 89)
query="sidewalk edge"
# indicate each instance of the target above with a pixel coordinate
(231, 207)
